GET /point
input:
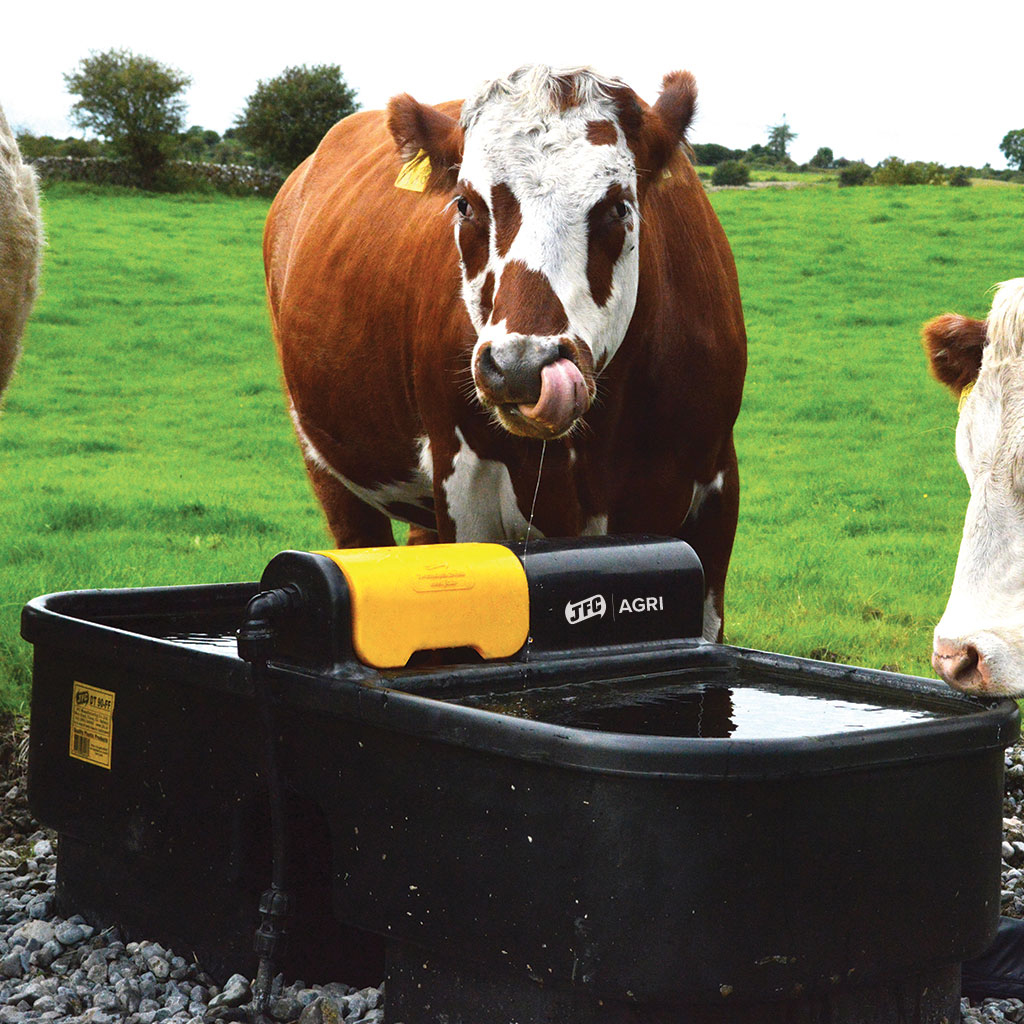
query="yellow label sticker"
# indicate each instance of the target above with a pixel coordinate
(92, 724)
(415, 173)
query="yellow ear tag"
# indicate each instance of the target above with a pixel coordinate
(964, 395)
(666, 173)
(415, 173)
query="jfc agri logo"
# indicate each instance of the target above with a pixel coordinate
(589, 608)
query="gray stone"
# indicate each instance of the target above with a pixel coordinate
(41, 931)
(372, 1017)
(42, 958)
(11, 965)
(40, 907)
(372, 997)
(286, 1008)
(70, 934)
(69, 1001)
(106, 1000)
(129, 994)
(33, 990)
(335, 989)
(160, 967)
(355, 1007)
(324, 1010)
(176, 1002)
(236, 991)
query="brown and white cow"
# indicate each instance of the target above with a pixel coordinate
(451, 286)
(979, 641)
(21, 244)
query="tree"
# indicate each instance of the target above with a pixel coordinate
(730, 172)
(779, 138)
(823, 159)
(199, 143)
(133, 102)
(855, 173)
(1012, 147)
(286, 117)
(712, 153)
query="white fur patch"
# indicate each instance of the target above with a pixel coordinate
(712, 620)
(481, 500)
(701, 493)
(416, 491)
(518, 136)
(1006, 319)
(21, 244)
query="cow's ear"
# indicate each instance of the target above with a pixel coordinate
(420, 130)
(665, 123)
(954, 345)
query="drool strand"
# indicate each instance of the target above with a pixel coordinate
(533, 505)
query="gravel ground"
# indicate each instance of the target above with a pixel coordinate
(55, 969)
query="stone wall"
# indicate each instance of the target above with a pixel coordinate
(236, 179)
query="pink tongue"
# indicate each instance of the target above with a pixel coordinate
(563, 396)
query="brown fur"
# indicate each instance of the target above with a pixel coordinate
(954, 345)
(527, 303)
(508, 218)
(474, 233)
(601, 133)
(606, 236)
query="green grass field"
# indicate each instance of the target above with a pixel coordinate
(853, 503)
(145, 441)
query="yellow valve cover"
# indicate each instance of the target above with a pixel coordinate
(434, 596)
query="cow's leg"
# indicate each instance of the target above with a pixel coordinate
(353, 523)
(710, 528)
(421, 535)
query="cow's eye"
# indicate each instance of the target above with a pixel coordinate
(462, 203)
(621, 210)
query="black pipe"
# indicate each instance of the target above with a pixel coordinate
(255, 646)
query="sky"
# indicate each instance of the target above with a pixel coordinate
(868, 79)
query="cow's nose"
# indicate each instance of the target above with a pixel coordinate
(962, 666)
(509, 370)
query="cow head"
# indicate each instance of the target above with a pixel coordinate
(979, 642)
(547, 173)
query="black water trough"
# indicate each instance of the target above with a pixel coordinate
(606, 820)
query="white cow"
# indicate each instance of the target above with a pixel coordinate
(21, 243)
(979, 641)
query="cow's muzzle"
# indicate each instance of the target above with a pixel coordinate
(537, 387)
(962, 666)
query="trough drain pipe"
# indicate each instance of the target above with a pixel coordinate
(255, 646)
